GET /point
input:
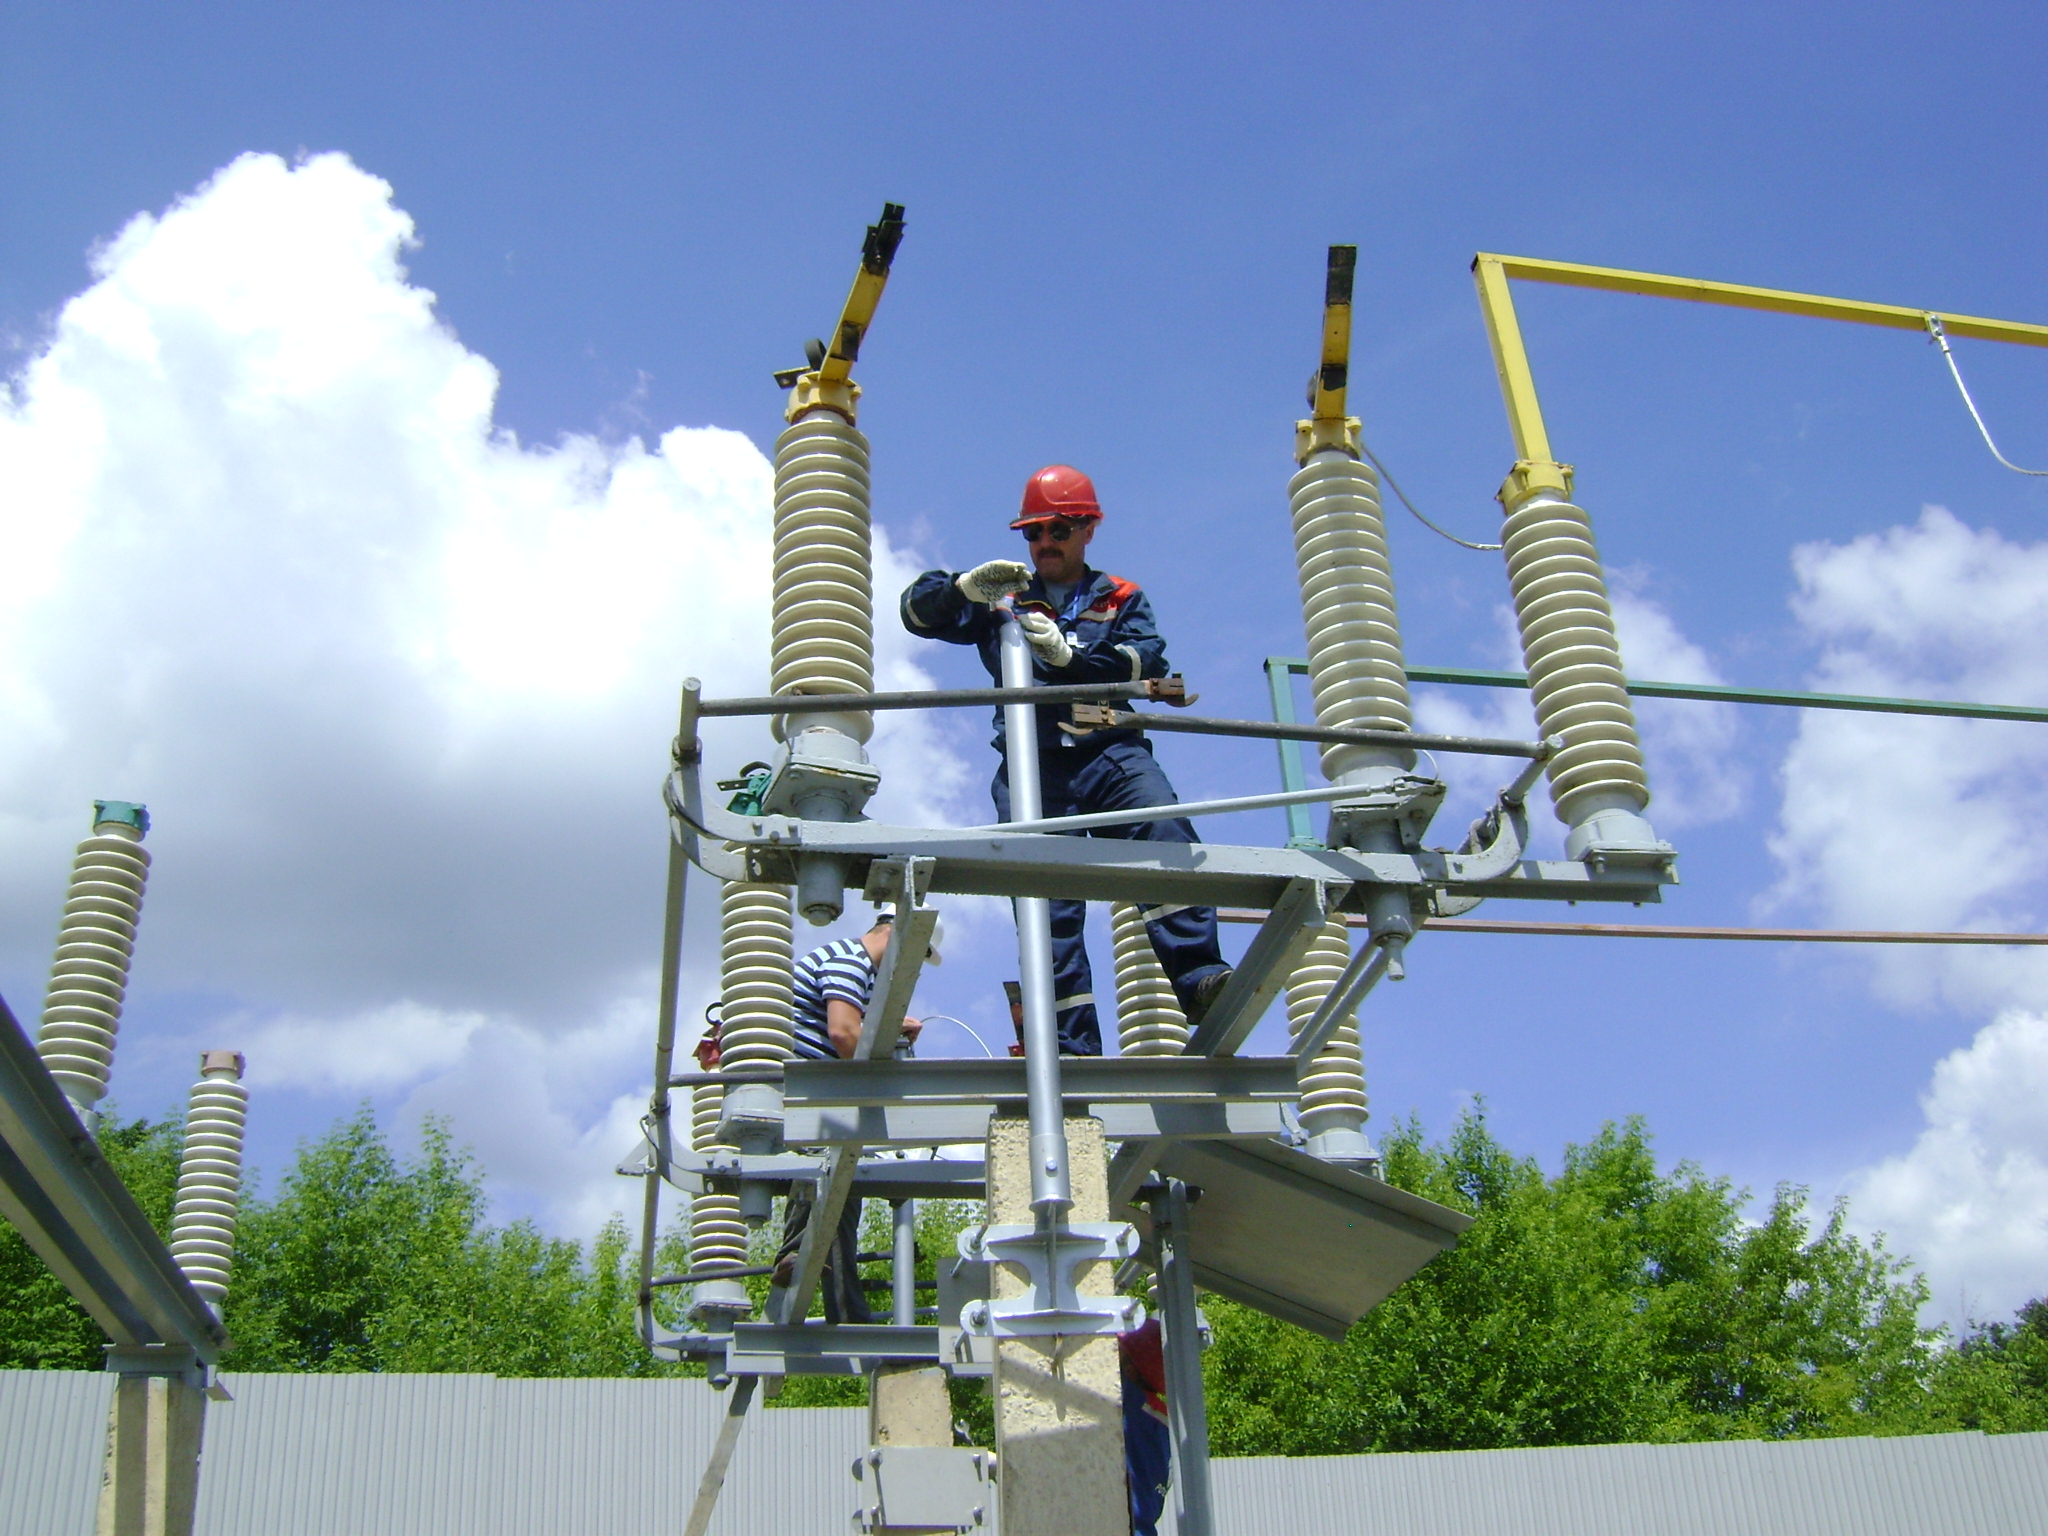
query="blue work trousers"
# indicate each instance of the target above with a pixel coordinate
(1119, 776)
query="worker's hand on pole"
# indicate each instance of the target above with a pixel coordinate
(993, 580)
(1047, 643)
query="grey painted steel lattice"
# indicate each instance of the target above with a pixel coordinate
(390, 1455)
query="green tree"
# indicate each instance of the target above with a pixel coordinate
(364, 1262)
(1995, 1380)
(41, 1327)
(1609, 1303)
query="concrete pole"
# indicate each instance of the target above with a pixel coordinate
(150, 1484)
(1059, 1402)
(907, 1405)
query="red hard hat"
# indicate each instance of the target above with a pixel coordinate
(1058, 490)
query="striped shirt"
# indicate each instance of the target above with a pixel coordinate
(840, 969)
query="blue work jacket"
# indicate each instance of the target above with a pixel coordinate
(1106, 619)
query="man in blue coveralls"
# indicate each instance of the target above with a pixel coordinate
(1084, 627)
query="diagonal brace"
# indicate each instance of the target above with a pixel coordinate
(1297, 917)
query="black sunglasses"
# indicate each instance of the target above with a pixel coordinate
(1059, 533)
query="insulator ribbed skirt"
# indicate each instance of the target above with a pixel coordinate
(718, 1235)
(89, 977)
(1333, 1083)
(1149, 1021)
(210, 1185)
(1574, 661)
(756, 952)
(822, 633)
(1347, 602)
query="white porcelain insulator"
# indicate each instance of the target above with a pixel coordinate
(1333, 1082)
(89, 977)
(1149, 1021)
(718, 1236)
(1347, 600)
(210, 1182)
(1574, 661)
(822, 630)
(757, 950)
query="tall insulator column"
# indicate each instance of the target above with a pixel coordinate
(1597, 783)
(1333, 1099)
(757, 952)
(1357, 673)
(822, 637)
(89, 977)
(822, 628)
(1347, 602)
(718, 1232)
(1149, 1021)
(210, 1176)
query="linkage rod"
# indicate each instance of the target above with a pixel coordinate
(1095, 718)
(1668, 931)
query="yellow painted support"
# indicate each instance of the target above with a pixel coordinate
(1329, 424)
(1572, 274)
(1535, 467)
(830, 386)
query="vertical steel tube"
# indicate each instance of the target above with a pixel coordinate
(903, 1262)
(1187, 1412)
(1051, 1190)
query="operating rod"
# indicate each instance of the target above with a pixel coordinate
(1165, 689)
(1051, 1189)
(1091, 717)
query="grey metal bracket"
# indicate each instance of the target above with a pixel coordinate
(1292, 925)
(1408, 803)
(1051, 1258)
(925, 1488)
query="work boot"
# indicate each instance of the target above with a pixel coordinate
(1207, 990)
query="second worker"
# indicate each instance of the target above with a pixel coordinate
(1084, 626)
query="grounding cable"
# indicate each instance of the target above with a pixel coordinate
(1941, 340)
(1395, 486)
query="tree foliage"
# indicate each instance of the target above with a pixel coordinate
(1611, 1302)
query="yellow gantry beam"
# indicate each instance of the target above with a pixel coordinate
(1492, 273)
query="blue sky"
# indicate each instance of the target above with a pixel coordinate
(1117, 219)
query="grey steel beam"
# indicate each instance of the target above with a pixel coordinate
(941, 1125)
(800, 1349)
(1092, 1079)
(60, 1193)
(1297, 917)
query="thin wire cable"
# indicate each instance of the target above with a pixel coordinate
(1395, 485)
(1941, 340)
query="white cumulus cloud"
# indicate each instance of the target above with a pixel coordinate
(1970, 1199)
(397, 687)
(1920, 822)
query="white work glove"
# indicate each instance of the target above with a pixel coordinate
(1047, 643)
(993, 579)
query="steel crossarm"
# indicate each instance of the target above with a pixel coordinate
(1297, 917)
(1090, 1079)
(947, 1125)
(60, 1193)
(813, 1349)
(995, 863)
